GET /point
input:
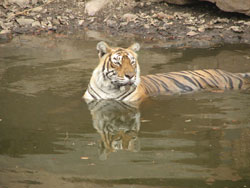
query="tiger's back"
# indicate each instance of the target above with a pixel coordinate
(189, 81)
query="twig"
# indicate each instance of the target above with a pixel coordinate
(66, 137)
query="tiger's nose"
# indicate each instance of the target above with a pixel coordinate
(129, 75)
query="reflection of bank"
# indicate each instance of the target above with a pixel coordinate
(118, 124)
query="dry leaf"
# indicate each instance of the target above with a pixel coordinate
(84, 158)
(145, 120)
(192, 33)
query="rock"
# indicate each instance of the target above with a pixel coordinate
(180, 2)
(37, 9)
(62, 20)
(186, 15)
(8, 25)
(247, 23)
(2, 14)
(93, 6)
(240, 6)
(54, 28)
(178, 16)
(68, 10)
(191, 33)
(43, 24)
(71, 17)
(80, 22)
(236, 29)
(21, 3)
(111, 23)
(2, 25)
(5, 36)
(50, 26)
(167, 24)
(240, 22)
(201, 21)
(56, 21)
(219, 20)
(10, 16)
(161, 15)
(5, 32)
(36, 24)
(146, 26)
(192, 28)
(218, 27)
(34, 2)
(129, 17)
(222, 20)
(65, 17)
(202, 29)
(21, 30)
(24, 21)
(49, 18)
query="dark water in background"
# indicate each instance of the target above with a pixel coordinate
(194, 140)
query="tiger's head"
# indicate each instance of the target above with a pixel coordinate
(119, 66)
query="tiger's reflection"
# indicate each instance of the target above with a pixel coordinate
(118, 124)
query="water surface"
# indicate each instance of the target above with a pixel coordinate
(47, 131)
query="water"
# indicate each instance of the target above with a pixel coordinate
(49, 136)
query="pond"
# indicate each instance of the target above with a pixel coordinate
(49, 136)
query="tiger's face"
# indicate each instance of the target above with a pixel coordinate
(119, 65)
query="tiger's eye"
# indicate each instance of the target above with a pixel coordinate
(114, 64)
(132, 61)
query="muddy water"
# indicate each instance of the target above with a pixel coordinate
(49, 137)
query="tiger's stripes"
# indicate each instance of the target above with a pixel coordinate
(189, 81)
(118, 77)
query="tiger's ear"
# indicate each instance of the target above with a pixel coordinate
(135, 47)
(102, 48)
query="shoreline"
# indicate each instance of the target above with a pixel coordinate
(201, 25)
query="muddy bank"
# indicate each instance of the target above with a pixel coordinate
(198, 25)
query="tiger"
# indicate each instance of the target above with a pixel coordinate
(117, 77)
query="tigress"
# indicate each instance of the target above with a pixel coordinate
(118, 77)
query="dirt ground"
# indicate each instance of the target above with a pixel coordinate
(197, 25)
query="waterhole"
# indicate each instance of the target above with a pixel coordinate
(50, 137)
